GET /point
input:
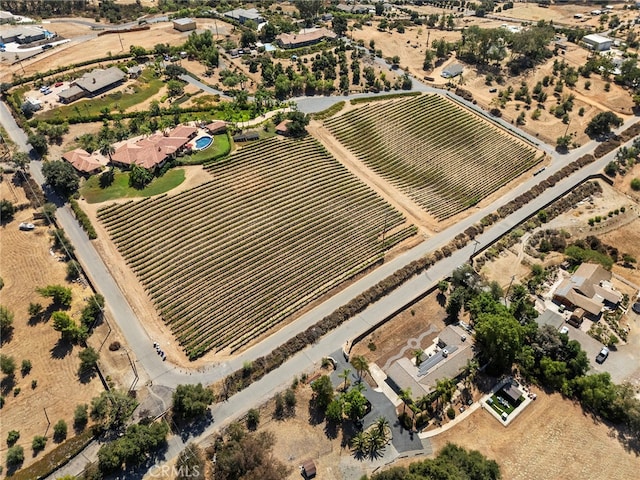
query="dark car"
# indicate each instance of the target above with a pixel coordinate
(636, 307)
(602, 356)
(47, 46)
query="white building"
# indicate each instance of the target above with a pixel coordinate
(597, 42)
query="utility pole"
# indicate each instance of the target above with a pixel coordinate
(506, 295)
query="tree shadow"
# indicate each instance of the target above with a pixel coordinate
(331, 430)
(441, 299)
(316, 415)
(195, 428)
(61, 349)
(43, 316)
(7, 384)
(6, 336)
(85, 376)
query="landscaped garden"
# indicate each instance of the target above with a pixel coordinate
(444, 157)
(93, 192)
(281, 223)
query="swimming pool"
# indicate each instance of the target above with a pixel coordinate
(203, 142)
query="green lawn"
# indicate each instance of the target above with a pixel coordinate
(120, 188)
(144, 88)
(221, 146)
(498, 407)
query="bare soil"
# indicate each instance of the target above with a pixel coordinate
(626, 239)
(389, 338)
(26, 265)
(553, 438)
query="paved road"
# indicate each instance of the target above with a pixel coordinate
(202, 86)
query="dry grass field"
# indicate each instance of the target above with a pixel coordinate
(552, 439)
(27, 264)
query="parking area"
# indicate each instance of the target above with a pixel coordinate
(623, 362)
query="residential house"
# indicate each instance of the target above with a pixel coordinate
(283, 128)
(453, 352)
(452, 70)
(22, 34)
(305, 37)
(589, 288)
(243, 15)
(84, 162)
(135, 71)
(93, 83)
(217, 126)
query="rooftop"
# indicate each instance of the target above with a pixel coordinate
(594, 37)
(287, 39)
(98, 79)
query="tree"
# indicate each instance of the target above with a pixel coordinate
(62, 177)
(112, 409)
(445, 388)
(15, 456)
(12, 437)
(191, 463)
(339, 25)
(308, 9)
(35, 310)
(298, 122)
(601, 124)
(500, 338)
(253, 418)
(248, 37)
(139, 177)
(107, 149)
(6, 322)
(405, 396)
(25, 367)
(360, 364)
(88, 360)
(354, 404)
(191, 402)
(59, 431)
(635, 184)
(455, 303)
(175, 88)
(334, 411)
(38, 443)
(7, 365)
(563, 142)
(80, 417)
(7, 211)
(62, 296)
(39, 143)
(93, 310)
(322, 392)
(74, 270)
(345, 375)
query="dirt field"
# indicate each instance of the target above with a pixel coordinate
(627, 240)
(27, 264)
(551, 439)
(393, 335)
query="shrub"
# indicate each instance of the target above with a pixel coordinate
(80, 417)
(83, 219)
(12, 437)
(451, 413)
(38, 443)
(25, 367)
(15, 456)
(114, 346)
(635, 185)
(253, 419)
(60, 431)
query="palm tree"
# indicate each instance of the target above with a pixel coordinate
(106, 149)
(417, 354)
(445, 388)
(361, 365)
(359, 442)
(405, 396)
(381, 425)
(345, 374)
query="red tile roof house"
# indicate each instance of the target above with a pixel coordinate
(84, 162)
(153, 152)
(283, 128)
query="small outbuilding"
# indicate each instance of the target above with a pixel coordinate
(596, 42)
(283, 128)
(217, 126)
(184, 24)
(452, 71)
(308, 469)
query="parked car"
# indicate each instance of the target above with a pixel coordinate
(58, 84)
(47, 46)
(636, 307)
(602, 356)
(26, 226)
(564, 330)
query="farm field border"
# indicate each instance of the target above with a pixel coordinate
(302, 220)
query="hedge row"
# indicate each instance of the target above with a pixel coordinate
(32, 190)
(83, 219)
(535, 191)
(388, 96)
(605, 147)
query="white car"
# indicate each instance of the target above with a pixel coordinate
(602, 356)
(564, 330)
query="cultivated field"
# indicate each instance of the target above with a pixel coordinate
(444, 157)
(281, 223)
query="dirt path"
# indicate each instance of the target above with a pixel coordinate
(426, 224)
